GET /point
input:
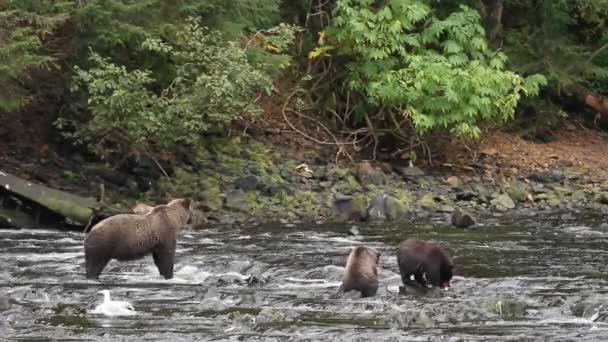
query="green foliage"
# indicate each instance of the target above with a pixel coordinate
(23, 27)
(441, 73)
(214, 84)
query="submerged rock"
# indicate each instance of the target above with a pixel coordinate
(462, 219)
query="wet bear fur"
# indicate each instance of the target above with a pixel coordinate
(141, 209)
(360, 272)
(422, 264)
(130, 236)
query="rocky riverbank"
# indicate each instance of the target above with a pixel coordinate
(242, 181)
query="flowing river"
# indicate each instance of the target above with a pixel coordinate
(542, 279)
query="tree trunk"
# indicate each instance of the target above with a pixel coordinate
(491, 16)
(77, 208)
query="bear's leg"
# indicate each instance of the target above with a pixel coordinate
(163, 259)
(370, 290)
(95, 263)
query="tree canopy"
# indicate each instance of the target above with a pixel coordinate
(124, 73)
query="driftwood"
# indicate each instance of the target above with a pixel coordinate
(76, 208)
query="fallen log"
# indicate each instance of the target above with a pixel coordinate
(76, 208)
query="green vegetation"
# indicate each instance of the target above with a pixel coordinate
(124, 75)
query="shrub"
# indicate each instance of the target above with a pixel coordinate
(438, 73)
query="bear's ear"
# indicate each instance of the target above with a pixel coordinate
(186, 202)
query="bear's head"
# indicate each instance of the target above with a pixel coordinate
(183, 205)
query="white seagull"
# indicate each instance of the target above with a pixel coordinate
(114, 307)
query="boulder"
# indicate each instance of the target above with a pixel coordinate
(503, 200)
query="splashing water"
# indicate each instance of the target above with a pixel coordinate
(534, 280)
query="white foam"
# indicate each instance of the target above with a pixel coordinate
(324, 284)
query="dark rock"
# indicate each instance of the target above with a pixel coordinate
(548, 176)
(465, 195)
(235, 199)
(349, 209)
(410, 172)
(248, 183)
(320, 173)
(288, 176)
(145, 170)
(385, 207)
(462, 219)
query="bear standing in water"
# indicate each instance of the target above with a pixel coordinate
(130, 237)
(360, 272)
(422, 264)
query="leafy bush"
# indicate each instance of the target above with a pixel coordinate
(215, 84)
(23, 26)
(439, 73)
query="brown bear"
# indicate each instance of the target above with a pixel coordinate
(141, 209)
(422, 264)
(360, 272)
(129, 237)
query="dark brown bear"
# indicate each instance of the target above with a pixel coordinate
(360, 273)
(423, 264)
(129, 237)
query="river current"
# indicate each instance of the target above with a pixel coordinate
(542, 279)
